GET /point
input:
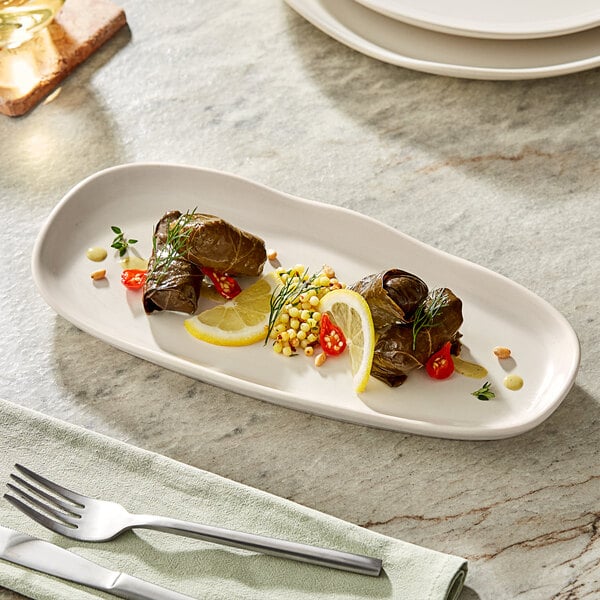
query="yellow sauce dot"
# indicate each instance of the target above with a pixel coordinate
(469, 369)
(513, 382)
(134, 262)
(96, 253)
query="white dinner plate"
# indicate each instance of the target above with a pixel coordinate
(509, 19)
(398, 43)
(496, 310)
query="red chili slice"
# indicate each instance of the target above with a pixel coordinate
(440, 365)
(226, 285)
(331, 337)
(133, 279)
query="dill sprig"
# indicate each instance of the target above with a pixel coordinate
(177, 238)
(427, 311)
(288, 293)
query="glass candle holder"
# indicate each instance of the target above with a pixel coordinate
(20, 20)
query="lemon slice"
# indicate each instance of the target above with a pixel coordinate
(238, 322)
(352, 315)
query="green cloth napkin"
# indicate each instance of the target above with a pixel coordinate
(145, 482)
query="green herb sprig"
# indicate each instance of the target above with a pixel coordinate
(120, 243)
(176, 240)
(287, 293)
(427, 311)
(484, 392)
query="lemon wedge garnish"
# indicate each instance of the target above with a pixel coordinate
(238, 322)
(352, 315)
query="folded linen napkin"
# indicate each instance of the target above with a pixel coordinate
(146, 482)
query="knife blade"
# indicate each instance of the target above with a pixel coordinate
(39, 555)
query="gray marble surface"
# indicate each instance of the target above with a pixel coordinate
(504, 174)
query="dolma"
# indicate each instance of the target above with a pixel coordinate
(397, 352)
(394, 297)
(172, 283)
(209, 241)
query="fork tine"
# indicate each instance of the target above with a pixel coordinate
(50, 510)
(68, 507)
(39, 517)
(57, 489)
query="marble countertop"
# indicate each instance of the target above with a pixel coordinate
(504, 174)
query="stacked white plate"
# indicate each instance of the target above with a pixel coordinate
(476, 39)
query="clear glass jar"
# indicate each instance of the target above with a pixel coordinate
(20, 20)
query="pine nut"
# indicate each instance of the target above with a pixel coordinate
(502, 352)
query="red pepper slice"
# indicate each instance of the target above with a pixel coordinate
(440, 365)
(133, 279)
(226, 285)
(331, 337)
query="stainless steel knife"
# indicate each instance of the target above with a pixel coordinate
(36, 554)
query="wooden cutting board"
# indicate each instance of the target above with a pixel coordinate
(29, 73)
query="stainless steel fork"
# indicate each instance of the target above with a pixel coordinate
(87, 519)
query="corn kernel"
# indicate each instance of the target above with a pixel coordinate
(278, 347)
(309, 351)
(304, 327)
(287, 351)
(301, 335)
(291, 333)
(327, 270)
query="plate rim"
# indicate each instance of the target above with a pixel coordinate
(262, 392)
(309, 10)
(470, 28)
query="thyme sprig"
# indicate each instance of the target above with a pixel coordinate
(288, 293)
(484, 392)
(176, 240)
(427, 311)
(121, 243)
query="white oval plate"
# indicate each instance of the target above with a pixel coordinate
(404, 45)
(510, 19)
(496, 310)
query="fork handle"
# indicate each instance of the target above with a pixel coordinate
(325, 557)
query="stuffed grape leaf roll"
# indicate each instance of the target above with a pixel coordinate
(172, 283)
(410, 322)
(212, 242)
(399, 350)
(392, 296)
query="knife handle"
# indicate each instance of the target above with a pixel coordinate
(132, 588)
(324, 557)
